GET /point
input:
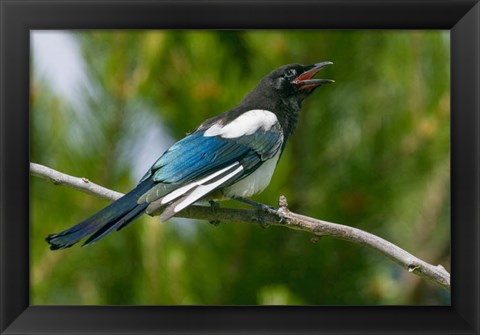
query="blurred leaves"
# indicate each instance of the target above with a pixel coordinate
(371, 151)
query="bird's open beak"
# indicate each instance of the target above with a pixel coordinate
(304, 81)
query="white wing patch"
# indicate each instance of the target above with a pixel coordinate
(193, 192)
(202, 190)
(246, 124)
(184, 189)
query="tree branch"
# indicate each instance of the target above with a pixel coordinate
(82, 184)
(279, 217)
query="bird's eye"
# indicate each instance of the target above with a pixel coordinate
(290, 73)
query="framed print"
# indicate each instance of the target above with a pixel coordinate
(387, 145)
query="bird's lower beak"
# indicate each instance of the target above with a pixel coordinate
(304, 81)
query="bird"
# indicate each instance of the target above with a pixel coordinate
(230, 156)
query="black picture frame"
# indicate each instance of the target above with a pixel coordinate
(18, 17)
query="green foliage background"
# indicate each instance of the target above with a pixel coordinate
(371, 151)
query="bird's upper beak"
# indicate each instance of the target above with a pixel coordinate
(304, 81)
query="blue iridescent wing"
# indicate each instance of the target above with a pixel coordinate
(196, 155)
(198, 165)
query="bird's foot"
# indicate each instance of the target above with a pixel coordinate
(214, 206)
(263, 207)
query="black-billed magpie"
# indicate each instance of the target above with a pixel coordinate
(232, 155)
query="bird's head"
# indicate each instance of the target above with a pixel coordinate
(294, 82)
(296, 79)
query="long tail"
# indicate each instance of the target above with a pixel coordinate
(113, 217)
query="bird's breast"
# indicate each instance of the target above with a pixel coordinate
(256, 182)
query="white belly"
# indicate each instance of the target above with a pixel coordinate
(256, 182)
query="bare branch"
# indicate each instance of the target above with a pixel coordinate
(82, 184)
(281, 217)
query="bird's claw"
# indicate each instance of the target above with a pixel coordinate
(269, 209)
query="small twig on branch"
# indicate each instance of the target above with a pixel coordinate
(283, 217)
